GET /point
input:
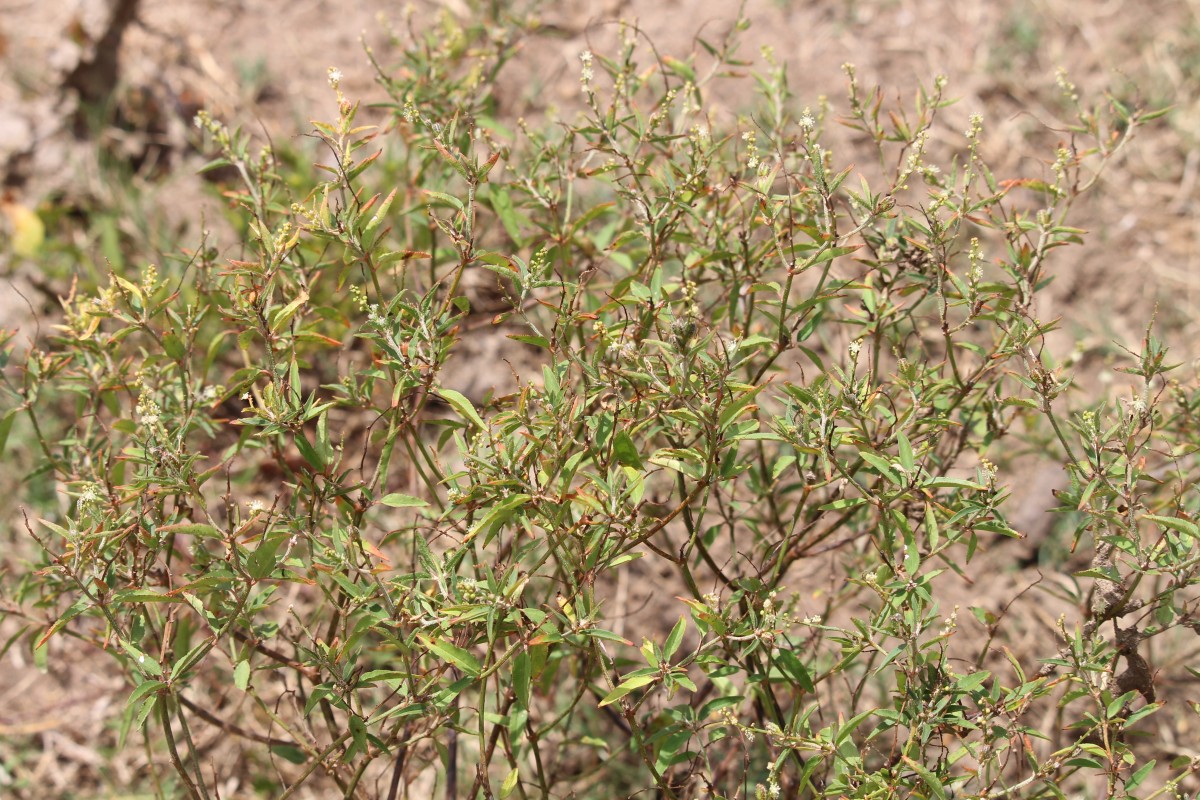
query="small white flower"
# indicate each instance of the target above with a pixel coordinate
(976, 121)
(807, 122)
(335, 77)
(586, 74)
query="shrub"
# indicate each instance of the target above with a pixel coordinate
(771, 393)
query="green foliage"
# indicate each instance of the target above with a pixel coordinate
(768, 386)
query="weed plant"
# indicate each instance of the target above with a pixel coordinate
(770, 387)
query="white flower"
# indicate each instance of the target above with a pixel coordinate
(585, 74)
(90, 497)
(335, 77)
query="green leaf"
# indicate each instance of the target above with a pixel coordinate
(382, 675)
(241, 675)
(1143, 772)
(510, 783)
(141, 662)
(447, 199)
(912, 555)
(536, 341)
(680, 68)
(931, 528)
(173, 346)
(984, 616)
(500, 513)
(1087, 494)
(6, 423)
(77, 608)
(628, 685)
(455, 655)
(288, 753)
(851, 725)
(713, 706)
(845, 502)
(309, 452)
(144, 710)
(625, 451)
(463, 406)
(502, 204)
(906, 453)
(522, 672)
(675, 638)
(324, 447)
(1183, 526)
(735, 409)
(608, 636)
(780, 465)
(829, 254)
(928, 777)
(143, 689)
(358, 736)
(687, 461)
(881, 466)
(191, 658)
(199, 529)
(591, 214)
(794, 668)
(952, 483)
(285, 314)
(402, 501)
(262, 561)
(969, 683)
(381, 213)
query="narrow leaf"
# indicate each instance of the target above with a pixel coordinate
(241, 675)
(455, 655)
(462, 405)
(402, 501)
